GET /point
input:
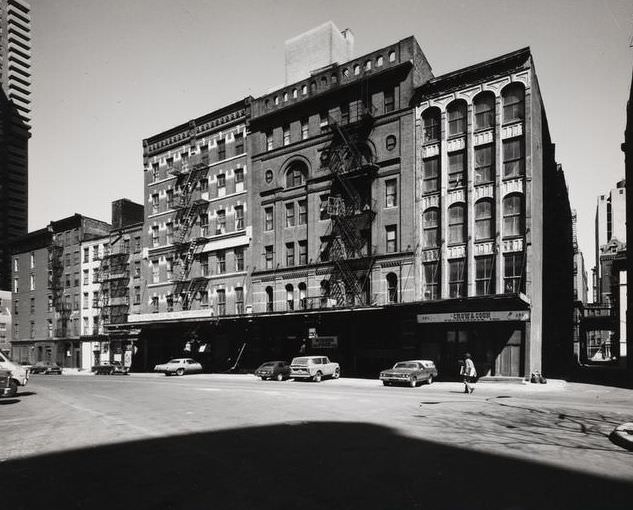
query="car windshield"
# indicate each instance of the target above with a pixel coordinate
(173, 361)
(406, 364)
(268, 364)
(301, 361)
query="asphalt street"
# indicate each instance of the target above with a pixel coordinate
(233, 441)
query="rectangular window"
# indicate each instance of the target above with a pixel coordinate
(32, 305)
(137, 244)
(155, 271)
(304, 129)
(95, 299)
(290, 254)
(154, 304)
(239, 217)
(512, 273)
(239, 180)
(268, 257)
(323, 207)
(32, 281)
(16, 265)
(204, 224)
(323, 121)
(170, 198)
(290, 214)
(239, 259)
(269, 141)
(391, 194)
(76, 302)
(239, 143)
(303, 253)
(221, 179)
(324, 249)
(484, 275)
(155, 203)
(155, 238)
(155, 174)
(391, 238)
(169, 233)
(32, 329)
(286, 131)
(431, 280)
(67, 280)
(389, 100)
(85, 300)
(137, 295)
(203, 184)
(137, 269)
(303, 212)
(68, 261)
(484, 164)
(456, 170)
(169, 299)
(204, 264)
(221, 258)
(76, 258)
(169, 269)
(221, 150)
(220, 218)
(86, 255)
(268, 218)
(431, 172)
(239, 300)
(86, 278)
(221, 301)
(456, 278)
(456, 224)
(49, 304)
(513, 163)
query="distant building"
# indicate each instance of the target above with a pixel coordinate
(15, 117)
(627, 148)
(6, 328)
(581, 290)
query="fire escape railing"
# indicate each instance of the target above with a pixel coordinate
(56, 272)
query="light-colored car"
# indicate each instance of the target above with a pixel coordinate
(19, 373)
(8, 386)
(412, 372)
(314, 368)
(179, 366)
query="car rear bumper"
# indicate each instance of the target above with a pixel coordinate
(8, 392)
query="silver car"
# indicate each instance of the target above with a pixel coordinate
(179, 366)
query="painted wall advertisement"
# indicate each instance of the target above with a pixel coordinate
(492, 316)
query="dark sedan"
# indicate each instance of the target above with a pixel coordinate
(412, 372)
(278, 370)
(46, 367)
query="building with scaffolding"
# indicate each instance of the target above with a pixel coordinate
(46, 280)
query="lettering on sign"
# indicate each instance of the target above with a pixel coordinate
(492, 316)
(325, 342)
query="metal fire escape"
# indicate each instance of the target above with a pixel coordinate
(56, 271)
(350, 208)
(189, 205)
(114, 276)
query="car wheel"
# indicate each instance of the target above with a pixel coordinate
(430, 379)
(263, 378)
(13, 385)
(280, 377)
(180, 371)
(413, 382)
(386, 383)
(337, 373)
(317, 377)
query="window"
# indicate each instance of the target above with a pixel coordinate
(513, 97)
(323, 214)
(323, 121)
(32, 305)
(239, 259)
(295, 175)
(431, 227)
(221, 150)
(268, 218)
(368, 65)
(380, 61)
(391, 193)
(204, 298)
(220, 218)
(392, 288)
(290, 214)
(169, 266)
(32, 333)
(512, 273)
(303, 299)
(204, 264)
(239, 143)
(269, 141)
(456, 170)
(137, 269)
(431, 172)
(456, 278)
(269, 299)
(392, 56)
(239, 300)
(456, 113)
(95, 252)
(137, 244)
(221, 180)
(155, 174)
(303, 212)
(512, 215)
(268, 176)
(390, 143)
(286, 132)
(169, 298)
(239, 180)
(290, 297)
(137, 295)
(345, 113)
(303, 253)
(221, 258)
(431, 280)
(155, 238)
(155, 304)
(294, 93)
(356, 69)
(239, 217)
(85, 300)
(456, 224)
(68, 260)
(221, 301)
(86, 278)
(484, 220)
(67, 279)
(95, 299)
(484, 164)
(290, 254)
(76, 302)
(513, 164)
(484, 275)
(268, 256)
(391, 238)
(170, 163)
(155, 271)
(49, 304)
(431, 125)
(204, 184)
(32, 281)
(169, 233)
(324, 249)
(76, 258)
(304, 89)
(389, 100)
(304, 129)
(484, 105)
(155, 203)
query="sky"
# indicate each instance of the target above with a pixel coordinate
(106, 75)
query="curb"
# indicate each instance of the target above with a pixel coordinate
(622, 435)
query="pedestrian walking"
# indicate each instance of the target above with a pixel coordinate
(469, 373)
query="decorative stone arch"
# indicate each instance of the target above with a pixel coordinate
(290, 165)
(431, 123)
(457, 110)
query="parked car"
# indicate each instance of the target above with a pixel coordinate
(46, 367)
(19, 373)
(279, 370)
(116, 367)
(314, 368)
(179, 366)
(412, 372)
(8, 385)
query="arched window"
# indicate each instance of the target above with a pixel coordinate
(325, 293)
(356, 69)
(303, 296)
(431, 227)
(456, 224)
(513, 97)
(484, 105)
(290, 297)
(392, 288)
(431, 124)
(456, 113)
(368, 65)
(379, 61)
(323, 82)
(484, 219)
(392, 56)
(513, 215)
(269, 299)
(296, 174)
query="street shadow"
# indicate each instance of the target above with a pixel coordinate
(8, 401)
(307, 465)
(26, 393)
(603, 376)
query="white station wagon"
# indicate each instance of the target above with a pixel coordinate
(314, 368)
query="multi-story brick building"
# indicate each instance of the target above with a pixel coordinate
(6, 321)
(46, 278)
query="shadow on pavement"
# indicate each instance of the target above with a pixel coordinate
(26, 393)
(7, 401)
(305, 465)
